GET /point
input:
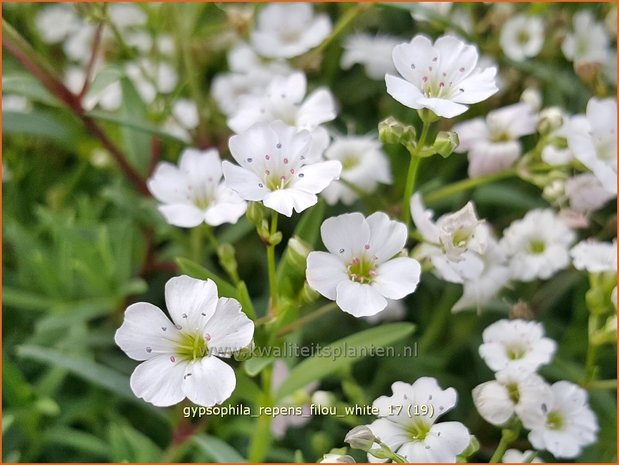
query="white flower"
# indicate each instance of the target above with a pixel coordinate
(532, 97)
(78, 45)
(151, 78)
(442, 77)
(560, 420)
(337, 458)
(359, 272)
(588, 42)
(497, 401)
(479, 290)
(301, 398)
(492, 144)
(407, 422)
(284, 100)
(428, 11)
(288, 30)
(593, 139)
(453, 243)
(537, 245)
(56, 22)
(181, 357)
(126, 15)
(515, 456)
(595, 257)
(516, 344)
(278, 168)
(586, 193)
(364, 164)
(192, 192)
(186, 113)
(373, 52)
(522, 37)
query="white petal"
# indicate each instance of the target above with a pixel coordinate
(447, 440)
(493, 402)
(427, 391)
(316, 177)
(345, 235)
(141, 336)
(208, 381)
(159, 380)
(229, 329)
(387, 237)
(281, 201)
(200, 165)
(191, 302)
(442, 107)
(253, 144)
(403, 91)
(182, 215)
(359, 299)
(389, 432)
(423, 220)
(244, 182)
(477, 87)
(324, 272)
(229, 207)
(397, 278)
(168, 184)
(318, 108)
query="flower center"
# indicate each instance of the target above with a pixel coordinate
(554, 420)
(513, 393)
(522, 37)
(361, 270)
(516, 352)
(418, 429)
(192, 346)
(349, 161)
(537, 246)
(201, 202)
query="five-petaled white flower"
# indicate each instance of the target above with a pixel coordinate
(181, 357)
(593, 139)
(442, 77)
(289, 30)
(595, 257)
(492, 143)
(192, 192)
(498, 400)
(407, 422)
(522, 37)
(537, 245)
(373, 52)
(560, 420)
(586, 193)
(359, 272)
(278, 168)
(588, 42)
(516, 343)
(364, 165)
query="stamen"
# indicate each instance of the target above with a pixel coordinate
(172, 358)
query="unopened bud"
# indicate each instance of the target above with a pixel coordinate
(360, 437)
(255, 213)
(337, 458)
(550, 119)
(227, 259)
(392, 131)
(445, 143)
(298, 250)
(532, 97)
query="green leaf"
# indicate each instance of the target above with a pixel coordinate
(76, 439)
(104, 78)
(246, 388)
(129, 445)
(217, 450)
(28, 86)
(255, 365)
(136, 143)
(195, 270)
(81, 367)
(338, 355)
(133, 125)
(41, 123)
(245, 300)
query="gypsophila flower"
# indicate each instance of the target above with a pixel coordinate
(497, 401)
(193, 193)
(359, 271)
(586, 193)
(560, 420)
(151, 78)
(588, 42)
(278, 168)
(593, 139)
(108, 97)
(288, 30)
(284, 100)
(364, 164)
(492, 143)
(516, 344)
(407, 422)
(428, 11)
(522, 37)
(442, 77)
(537, 245)
(595, 257)
(337, 458)
(515, 456)
(373, 52)
(56, 22)
(181, 358)
(186, 113)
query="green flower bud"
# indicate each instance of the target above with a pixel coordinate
(392, 131)
(361, 437)
(298, 250)
(550, 119)
(255, 213)
(445, 143)
(227, 259)
(336, 458)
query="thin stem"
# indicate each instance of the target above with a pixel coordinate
(603, 384)
(466, 184)
(273, 291)
(307, 318)
(413, 168)
(507, 437)
(592, 350)
(96, 43)
(261, 439)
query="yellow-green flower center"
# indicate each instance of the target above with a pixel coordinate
(513, 393)
(191, 346)
(418, 429)
(361, 270)
(516, 352)
(537, 246)
(554, 420)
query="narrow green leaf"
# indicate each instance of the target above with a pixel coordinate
(129, 445)
(245, 300)
(75, 439)
(217, 450)
(42, 124)
(342, 353)
(136, 143)
(255, 365)
(27, 86)
(133, 125)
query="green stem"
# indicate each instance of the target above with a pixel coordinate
(592, 349)
(603, 384)
(307, 318)
(467, 184)
(342, 24)
(271, 267)
(413, 168)
(196, 245)
(261, 439)
(507, 437)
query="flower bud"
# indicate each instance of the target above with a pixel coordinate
(275, 238)
(445, 143)
(323, 398)
(298, 250)
(255, 213)
(392, 131)
(532, 97)
(550, 119)
(360, 437)
(337, 458)
(227, 259)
